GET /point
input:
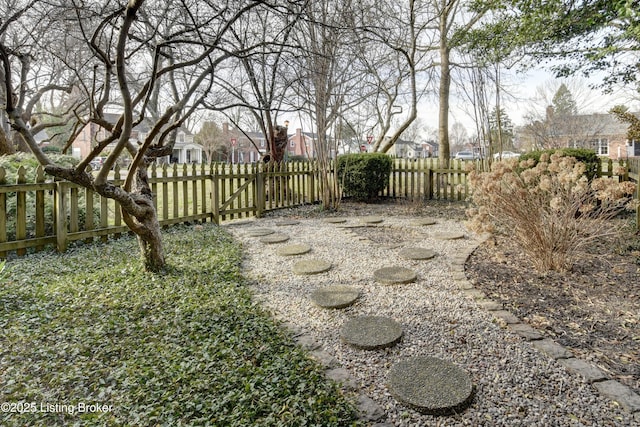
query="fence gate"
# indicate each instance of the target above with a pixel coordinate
(236, 192)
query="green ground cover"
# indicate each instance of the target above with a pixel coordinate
(186, 347)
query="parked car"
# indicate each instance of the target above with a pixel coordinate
(466, 155)
(96, 163)
(506, 155)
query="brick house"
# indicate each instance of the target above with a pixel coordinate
(302, 144)
(603, 133)
(244, 147)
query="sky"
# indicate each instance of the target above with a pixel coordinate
(526, 90)
(525, 97)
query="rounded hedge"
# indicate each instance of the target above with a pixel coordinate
(364, 175)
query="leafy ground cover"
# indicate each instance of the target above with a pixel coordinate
(88, 338)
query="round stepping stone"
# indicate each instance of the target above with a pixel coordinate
(424, 221)
(335, 220)
(274, 238)
(431, 386)
(371, 332)
(337, 296)
(259, 232)
(417, 253)
(453, 235)
(291, 250)
(395, 275)
(311, 266)
(371, 219)
(285, 222)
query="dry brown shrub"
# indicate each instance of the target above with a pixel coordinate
(550, 209)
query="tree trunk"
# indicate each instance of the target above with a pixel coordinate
(443, 111)
(6, 147)
(150, 242)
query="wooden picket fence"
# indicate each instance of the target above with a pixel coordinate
(37, 211)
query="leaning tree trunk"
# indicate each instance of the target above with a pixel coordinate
(150, 241)
(142, 218)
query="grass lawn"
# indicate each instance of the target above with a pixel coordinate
(182, 348)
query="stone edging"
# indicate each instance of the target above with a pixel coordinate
(611, 389)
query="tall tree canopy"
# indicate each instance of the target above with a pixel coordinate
(574, 36)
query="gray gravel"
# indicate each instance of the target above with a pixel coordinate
(516, 385)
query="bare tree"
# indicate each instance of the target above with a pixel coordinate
(154, 61)
(327, 82)
(39, 75)
(259, 79)
(458, 136)
(213, 141)
(455, 21)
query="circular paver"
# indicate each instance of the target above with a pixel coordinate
(274, 238)
(336, 296)
(423, 221)
(454, 235)
(286, 222)
(395, 275)
(291, 250)
(371, 332)
(335, 220)
(430, 385)
(311, 266)
(259, 232)
(371, 219)
(417, 253)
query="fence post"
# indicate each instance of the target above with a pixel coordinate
(429, 184)
(261, 201)
(215, 193)
(21, 209)
(60, 209)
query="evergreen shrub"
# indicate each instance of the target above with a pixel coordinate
(364, 175)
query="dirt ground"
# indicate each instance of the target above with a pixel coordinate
(593, 309)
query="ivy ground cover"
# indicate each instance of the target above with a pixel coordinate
(88, 338)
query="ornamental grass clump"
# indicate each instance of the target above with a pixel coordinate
(550, 208)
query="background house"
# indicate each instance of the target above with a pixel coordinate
(302, 145)
(414, 150)
(244, 147)
(185, 149)
(603, 133)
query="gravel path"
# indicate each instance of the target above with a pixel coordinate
(516, 385)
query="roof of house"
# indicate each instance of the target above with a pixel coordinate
(144, 126)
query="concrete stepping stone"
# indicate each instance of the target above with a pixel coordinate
(260, 232)
(335, 220)
(371, 332)
(274, 238)
(336, 296)
(395, 275)
(452, 235)
(311, 266)
(423, 222)
(417, 253)
(431, 386)
(371, 219)
(286, 222)
(292, 250)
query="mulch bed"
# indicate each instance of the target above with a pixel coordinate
(593, 309)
